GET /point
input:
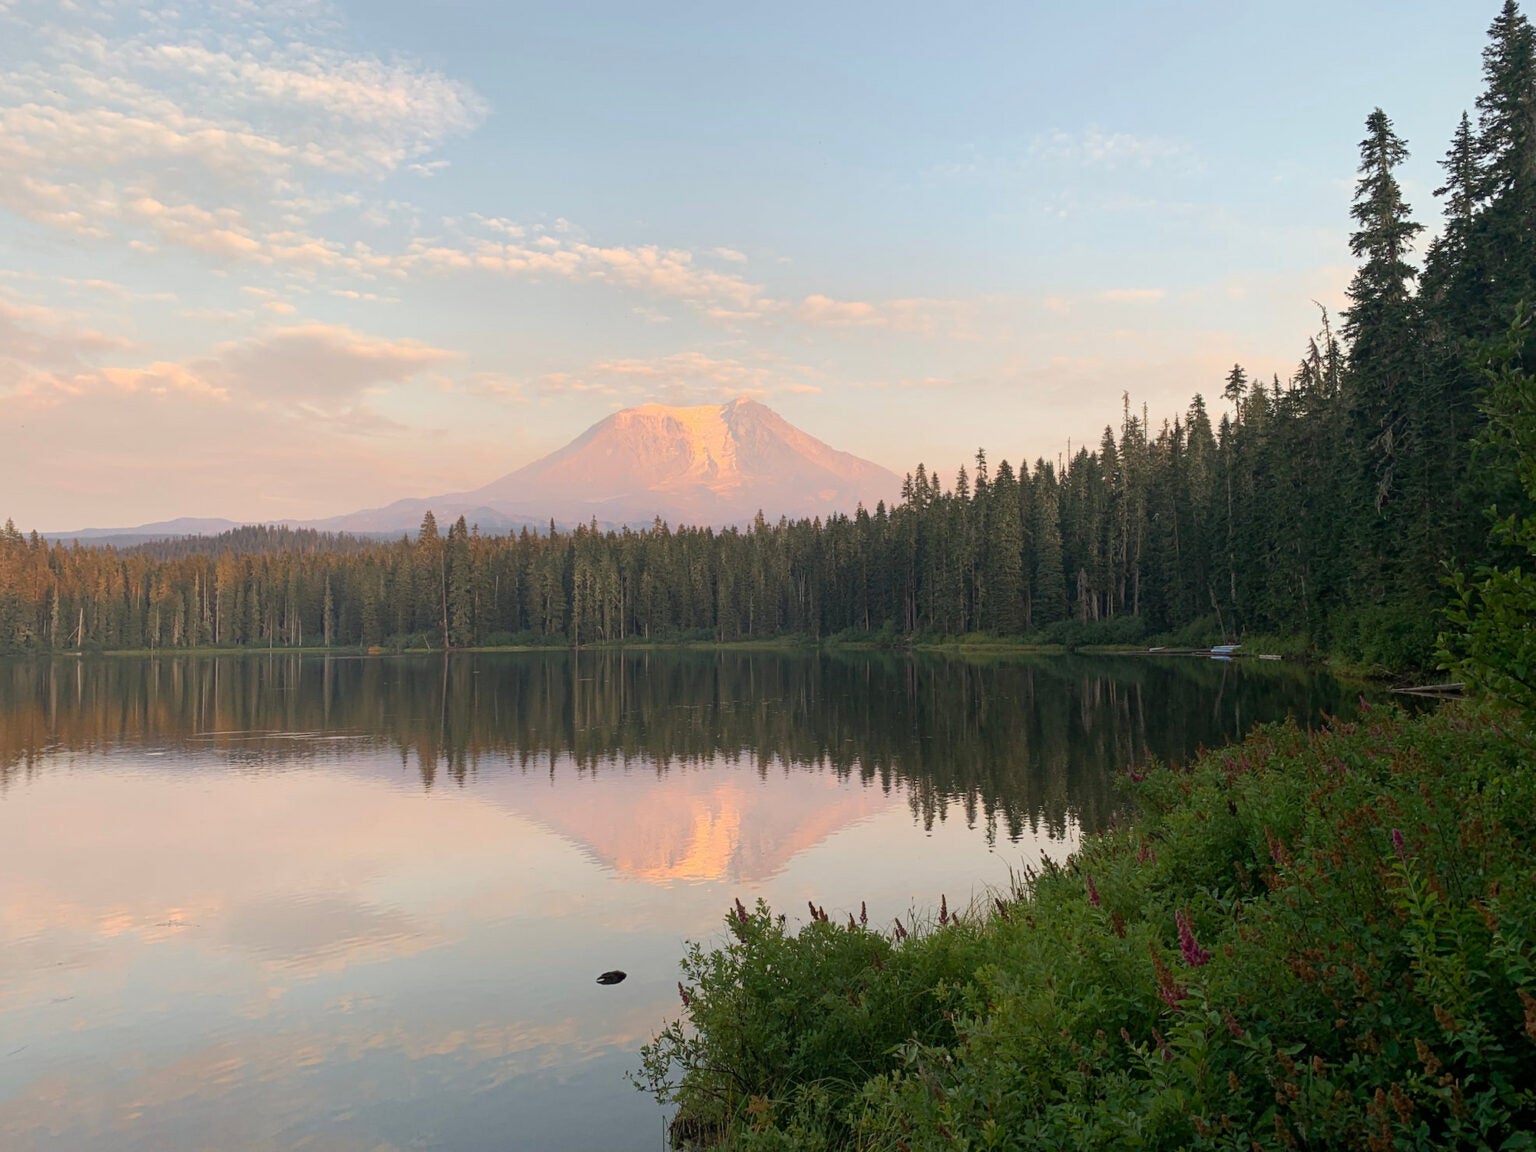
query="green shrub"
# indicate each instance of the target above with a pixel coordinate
(1307, 940)
(1201, 633)
(1394, 637)
(1117, 630)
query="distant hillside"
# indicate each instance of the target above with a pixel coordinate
(249, 540)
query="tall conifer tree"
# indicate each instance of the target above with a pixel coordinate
(1380, 323)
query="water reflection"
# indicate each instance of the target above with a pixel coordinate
(263, 903)
(1014, 743)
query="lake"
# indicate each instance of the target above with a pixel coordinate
(283, 902)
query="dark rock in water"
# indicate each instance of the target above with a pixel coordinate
(614, 977)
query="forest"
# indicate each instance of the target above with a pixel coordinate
(1329, 508)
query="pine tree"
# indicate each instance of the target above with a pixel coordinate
(1381, 320)
(460, 587)
(1506, 151)
(1049, 591)
(1236, 388)
(1450, 264)
(1004, 554)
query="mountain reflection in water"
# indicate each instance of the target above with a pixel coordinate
(294, 901)
(1018, 744)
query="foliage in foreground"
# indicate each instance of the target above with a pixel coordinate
(1322, 940)
(1493, 616)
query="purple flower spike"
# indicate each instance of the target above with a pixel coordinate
(1194, 955)
(1093, 893)
(1397, 844)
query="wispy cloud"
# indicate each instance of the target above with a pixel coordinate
(35, 339)
(154, 126)
(532, 253)
(1094, 147)
(1132, 295)
(953, 319)
(684, 378)
(46, 359)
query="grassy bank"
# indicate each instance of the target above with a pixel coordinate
(1305, 941)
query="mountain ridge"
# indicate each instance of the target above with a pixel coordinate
(714, 465)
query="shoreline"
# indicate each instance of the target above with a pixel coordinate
(969, 647)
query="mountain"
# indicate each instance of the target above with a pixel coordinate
(716, 464)
(160, 530)
(711, 464)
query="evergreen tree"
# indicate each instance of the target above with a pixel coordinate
(1005, 554)
(1506, 147)
(1048, 597)
(1388, 414)
(1236, 387)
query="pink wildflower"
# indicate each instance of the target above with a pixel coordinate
(1169, 990)
(1194, 955)
(683, 995)
(1397, 844)
(1093, 893)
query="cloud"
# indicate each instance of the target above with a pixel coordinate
(33, 337)
(370, 297)
(1093, 147)
(147, 126)
(683, 378)
(1132, 295)
(909, 382)
(317, 362)
(927, 317)
(154, 131)
(360, 112)
(495, 384)
(669, 273)
(297, 420)
(46, 358)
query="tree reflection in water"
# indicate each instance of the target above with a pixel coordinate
(1018, 744)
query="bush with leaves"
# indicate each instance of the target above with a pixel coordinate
(1307, 940)
(1493, 616)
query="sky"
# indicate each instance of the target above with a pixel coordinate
(283, 259)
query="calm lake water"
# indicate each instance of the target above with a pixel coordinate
(360, 904)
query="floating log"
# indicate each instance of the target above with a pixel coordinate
(1455, 689)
